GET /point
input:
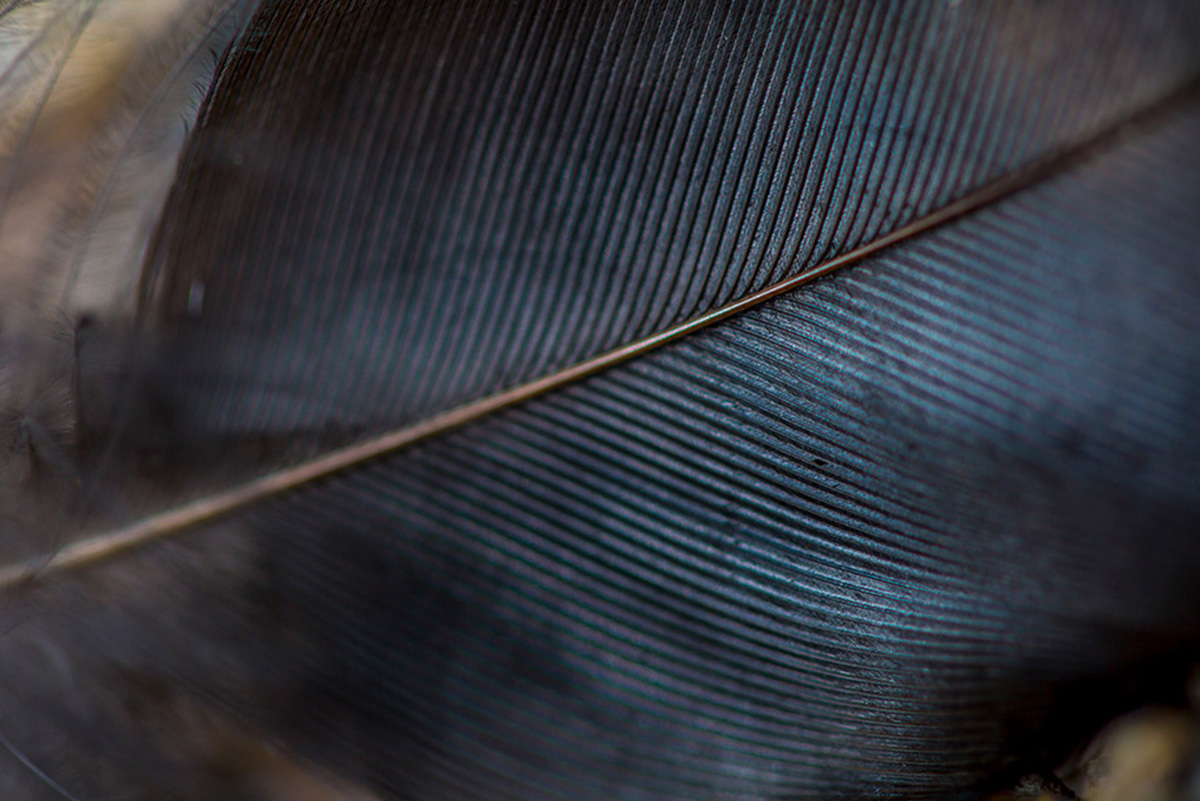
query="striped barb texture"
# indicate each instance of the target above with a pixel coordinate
(901, 532)
(518, 187)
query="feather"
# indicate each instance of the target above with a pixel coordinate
(639, 400)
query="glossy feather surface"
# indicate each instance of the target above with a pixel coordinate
(890, 534)
(842, 544)
(465, 196)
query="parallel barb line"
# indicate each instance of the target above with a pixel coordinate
(111, 543)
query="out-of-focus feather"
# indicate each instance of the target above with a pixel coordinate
(94, 95)
(899, 532)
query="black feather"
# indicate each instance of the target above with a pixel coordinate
(613, 530)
